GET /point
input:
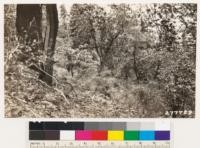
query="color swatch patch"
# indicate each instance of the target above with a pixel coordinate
(131, 135)
(115, 135)
(147, 135)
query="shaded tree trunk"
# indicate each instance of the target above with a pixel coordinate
(28, 23)
(29, 29)
(50, 41)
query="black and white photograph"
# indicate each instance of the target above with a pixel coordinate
(92, 60)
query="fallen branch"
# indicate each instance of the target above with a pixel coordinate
(56, 81)
(56, 89)
(61, 92)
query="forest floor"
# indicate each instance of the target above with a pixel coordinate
(33, 98)
(93, 94)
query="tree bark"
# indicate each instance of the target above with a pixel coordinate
(28, 23)
(49, 42)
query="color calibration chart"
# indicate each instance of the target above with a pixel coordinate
(99, 135)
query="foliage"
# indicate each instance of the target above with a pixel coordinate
(10, 33)
(178, 74)
(63, 24)
(92, 25)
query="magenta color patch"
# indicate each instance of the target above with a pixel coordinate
(83, 135)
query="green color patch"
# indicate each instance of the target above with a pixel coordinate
(131, 135)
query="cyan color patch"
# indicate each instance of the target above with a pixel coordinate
(147, 135)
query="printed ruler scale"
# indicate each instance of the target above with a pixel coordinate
(99, 135)
(98, 144)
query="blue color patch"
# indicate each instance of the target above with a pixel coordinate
(147, 135)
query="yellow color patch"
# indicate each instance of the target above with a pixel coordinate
(115, 135)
